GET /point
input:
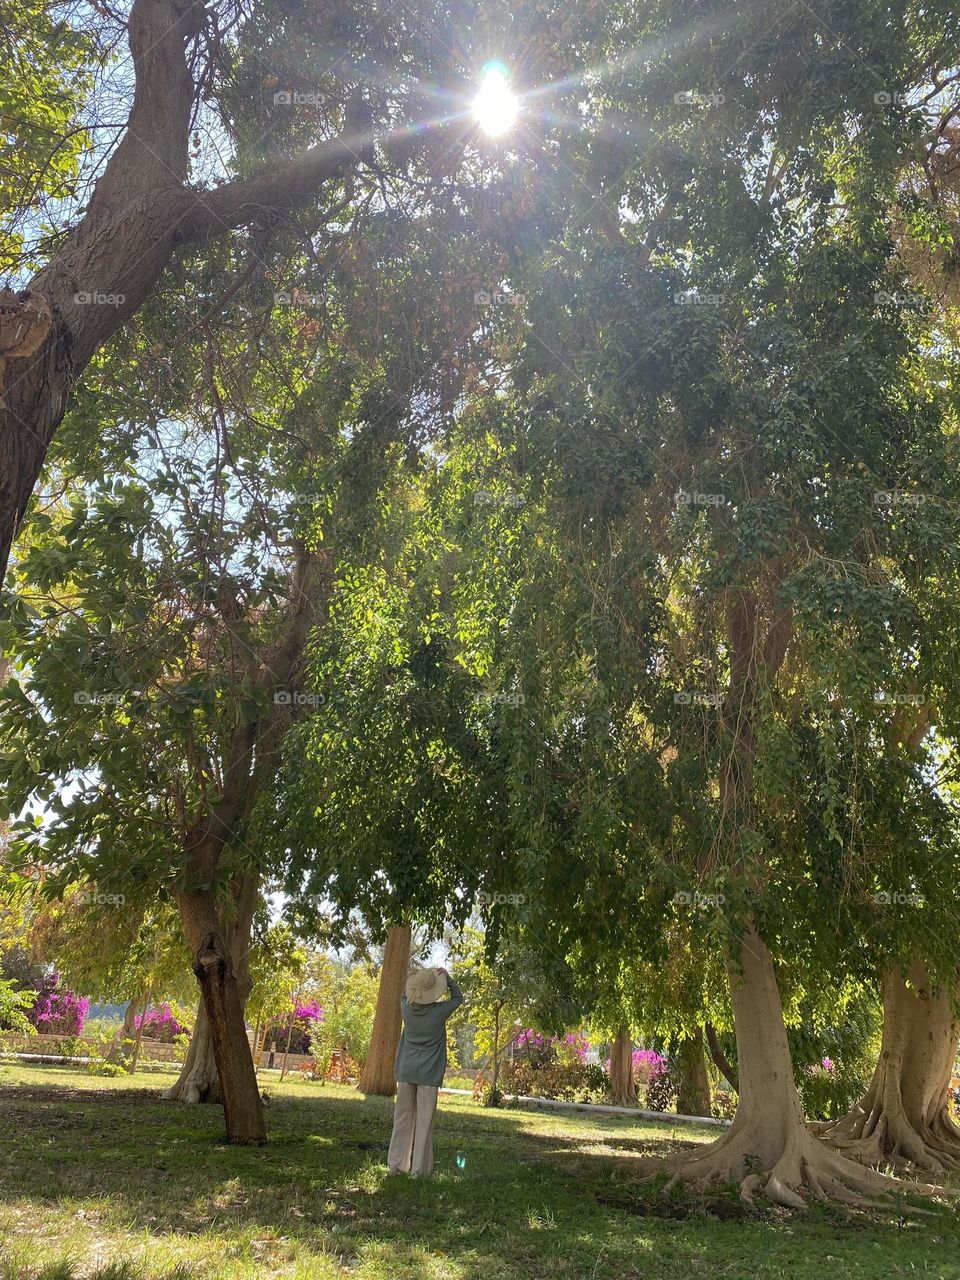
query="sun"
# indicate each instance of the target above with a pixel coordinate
(496, 106)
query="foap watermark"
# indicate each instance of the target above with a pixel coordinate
(488, 498)
(694, 98)
(884, 698)
(297, 698)
(901, 298)
(487, 298)
(91, 298)
(96, 698)
(929, 111)
(692, 498)
(297, 298)
(89, 898)
(485, 899)
(897, 498)
(689, 898)
(694, 699)
(898, 899)
(500, 699)
(890, 98)
(694, 298)
(296, 98)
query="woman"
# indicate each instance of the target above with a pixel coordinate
(421, 1062)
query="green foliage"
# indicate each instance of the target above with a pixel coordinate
(565, 1081)
(51, 55)
(110, 1069)
(830, 1095)
(14, 1004)
(556, 543)
(349, 999)
(278, 970)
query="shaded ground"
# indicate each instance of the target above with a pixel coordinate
(97, 1178)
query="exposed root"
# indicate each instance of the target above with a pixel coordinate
(887, 1136)
(903, 1120)
(803, 1167)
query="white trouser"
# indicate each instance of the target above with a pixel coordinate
(411, 1143)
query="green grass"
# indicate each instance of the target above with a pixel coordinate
(101, 1179)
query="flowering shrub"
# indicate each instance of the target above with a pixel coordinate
(573, 1047)
(160, 1024)
(539, 1050)
(552, 1067)
(307, 1016)
(58, 1011)
(647, 1066)
(662, 1082)
(309, 1011)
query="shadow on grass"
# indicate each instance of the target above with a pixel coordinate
(506, 1200)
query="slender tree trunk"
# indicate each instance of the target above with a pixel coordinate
(136, 1006)
(495, 1087)
(198, 1080)
(128, 1031)
(693, 1095)
(286, 1048)
(223, 1003)
(720, 1059)
(623, 1088)
(377, 1075)
(904, 1118)
(139, 1037)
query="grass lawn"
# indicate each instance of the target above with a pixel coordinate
(101, 1179)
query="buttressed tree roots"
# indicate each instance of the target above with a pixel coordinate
(903, 1118)
(769, 1149)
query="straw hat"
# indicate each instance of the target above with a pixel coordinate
(424, 986)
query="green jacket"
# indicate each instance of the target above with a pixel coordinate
(422, 1052)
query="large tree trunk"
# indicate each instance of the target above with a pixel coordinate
(377, 1075)
(198, 1080)
(106, 266)
(903, 1118)
(623, 1088)
(693, 1095)
(213, 965)
(768, 1148)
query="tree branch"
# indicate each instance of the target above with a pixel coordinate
(267, 195)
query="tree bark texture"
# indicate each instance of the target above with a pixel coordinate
(377, 1075)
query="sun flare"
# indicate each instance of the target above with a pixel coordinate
(496, 106)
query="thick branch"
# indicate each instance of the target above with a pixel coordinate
(154, 149)
(265, 195)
